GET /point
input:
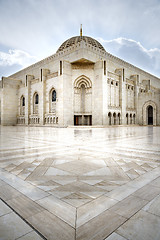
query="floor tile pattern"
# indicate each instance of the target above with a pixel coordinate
(80, 183)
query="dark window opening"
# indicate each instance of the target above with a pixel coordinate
(26, 80)
(127, 118)
(41, 74)
(104, 67)
(150, 115)
(23, 101)
(36, 98)
(114, 118)
(109, 116)
(60, 67)
(53, 96)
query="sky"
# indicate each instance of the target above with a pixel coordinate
(31, 30)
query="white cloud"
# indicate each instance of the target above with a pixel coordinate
(134, 53)
(39, 26)
(16, 57)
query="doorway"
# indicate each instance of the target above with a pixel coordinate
(82, 120)
(150, 115)
(87, 120)
(77, 120)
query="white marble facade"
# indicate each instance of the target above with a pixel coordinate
(81, 84)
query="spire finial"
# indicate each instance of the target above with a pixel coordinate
(81, 30)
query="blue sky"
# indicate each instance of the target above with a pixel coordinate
(31, 30)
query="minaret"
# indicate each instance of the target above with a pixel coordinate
(81, 30)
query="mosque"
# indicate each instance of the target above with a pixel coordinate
(81, 84)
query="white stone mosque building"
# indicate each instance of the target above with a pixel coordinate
(81, 84)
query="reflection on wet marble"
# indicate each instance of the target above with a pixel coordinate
(80, 182)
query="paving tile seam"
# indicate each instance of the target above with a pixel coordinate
(27, 234)
(11, 187)
(45, 209)
(154, 214)
(23, 235)
(27, 151)
(41, 232)
(74, 206)
(151, 213)
(139, 209)
(140, 149)
(150, 155)
(23, 219)
(122, 148)
(135, 157)
(28, 147)
(115, 231)
(97, 216)
(118, 227)
(4, 159)
(108, 210)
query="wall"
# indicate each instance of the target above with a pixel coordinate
(9, 104)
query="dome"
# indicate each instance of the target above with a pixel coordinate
(74, 40)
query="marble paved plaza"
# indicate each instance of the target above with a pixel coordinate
(80, 183)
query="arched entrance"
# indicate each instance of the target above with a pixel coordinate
(110, 118)
(82, 101)
(119, 118)
(114, 118)
(127, 118)
(150, 115)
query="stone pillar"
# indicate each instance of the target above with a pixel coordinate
(105, 94)
(67, 94)
(136, 91)
(27, 99)
(123, 96)
(97, 94)
(42, 107)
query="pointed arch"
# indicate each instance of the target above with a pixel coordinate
(52, 100)
(82, 100)
(22, 105)
(82, 80)
(35, 102)
(145, 112)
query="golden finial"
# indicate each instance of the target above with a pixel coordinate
(81, 30)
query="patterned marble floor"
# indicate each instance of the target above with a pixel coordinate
(80, 183)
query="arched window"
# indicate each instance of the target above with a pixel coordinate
(53, 96)
(52, 100)
(35, 103)
(36, 98)
(23, 101)
(22, 105)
